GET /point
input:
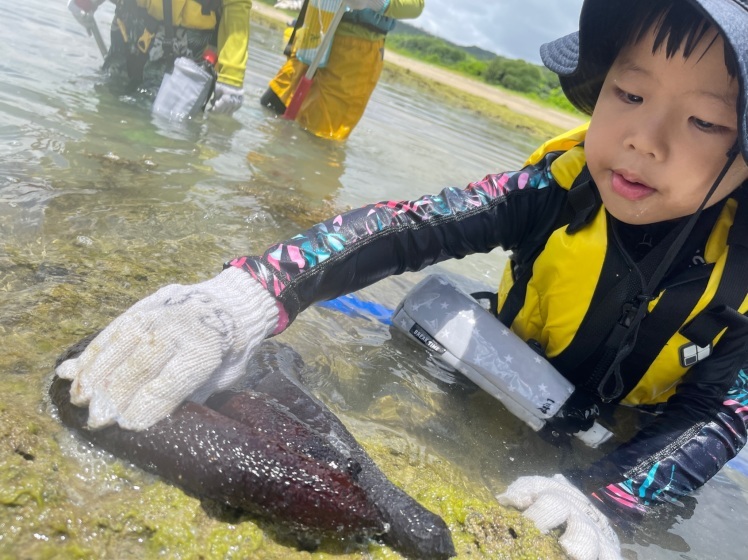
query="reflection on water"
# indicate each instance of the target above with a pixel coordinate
(100, 205)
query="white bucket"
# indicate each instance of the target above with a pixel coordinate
(184, 91)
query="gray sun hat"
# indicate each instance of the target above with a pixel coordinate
(582, 59)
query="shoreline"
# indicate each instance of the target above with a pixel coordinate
(510, 109)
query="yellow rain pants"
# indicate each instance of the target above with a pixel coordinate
(340, 91)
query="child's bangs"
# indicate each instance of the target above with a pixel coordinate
(679, 27)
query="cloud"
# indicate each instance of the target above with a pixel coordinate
(511, 28)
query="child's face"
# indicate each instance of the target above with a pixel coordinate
(660, 131)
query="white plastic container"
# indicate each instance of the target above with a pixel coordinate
(184, 92)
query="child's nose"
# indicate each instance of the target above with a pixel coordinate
(647, 138)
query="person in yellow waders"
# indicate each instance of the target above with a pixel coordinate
(342, 88)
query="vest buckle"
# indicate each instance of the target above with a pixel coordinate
(630, 309)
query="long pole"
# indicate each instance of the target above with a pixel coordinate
(306, 82)
(89, 7)
(97, 36)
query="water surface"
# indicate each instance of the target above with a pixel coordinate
(100, 205)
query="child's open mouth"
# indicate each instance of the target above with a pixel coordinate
(629, 188)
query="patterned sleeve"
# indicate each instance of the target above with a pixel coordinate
(353, 250)
(680, 450)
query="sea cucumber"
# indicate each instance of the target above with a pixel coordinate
(271, 448)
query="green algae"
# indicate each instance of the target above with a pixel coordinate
(480, 527)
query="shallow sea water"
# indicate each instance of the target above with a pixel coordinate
(100, 206)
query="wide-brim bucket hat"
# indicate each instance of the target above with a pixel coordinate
(583, 58)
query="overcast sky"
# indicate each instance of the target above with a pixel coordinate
(511, 28)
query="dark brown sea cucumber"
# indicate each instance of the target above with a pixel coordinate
(273, 449)
(214, 456)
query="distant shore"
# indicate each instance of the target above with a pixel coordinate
(512, 110)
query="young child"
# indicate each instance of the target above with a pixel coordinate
(629, 258)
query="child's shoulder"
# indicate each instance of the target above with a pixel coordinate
(562, 157)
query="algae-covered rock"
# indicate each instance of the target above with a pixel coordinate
(61, 498)
(481, 528)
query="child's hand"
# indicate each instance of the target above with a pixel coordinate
(181, 342)
(552, 502)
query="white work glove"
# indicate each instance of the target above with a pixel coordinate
(551, 502)
(83, 10)
(376, 5)
(182, 342)
(226, 98)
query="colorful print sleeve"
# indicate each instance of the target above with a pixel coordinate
(355, 249)
(682, 448)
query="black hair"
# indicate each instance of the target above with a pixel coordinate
(678, 27)
(609, 26)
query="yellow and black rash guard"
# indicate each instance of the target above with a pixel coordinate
(703, 423)
(566, 276)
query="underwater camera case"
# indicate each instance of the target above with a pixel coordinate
(459, 332)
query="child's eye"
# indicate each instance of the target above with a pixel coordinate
(627, 97)
(705, 126)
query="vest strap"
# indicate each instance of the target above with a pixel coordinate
(671, 311)
(704, 328)
(584, 201)
(169, 54)
(624, 307)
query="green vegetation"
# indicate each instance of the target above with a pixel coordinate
(532, 80)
